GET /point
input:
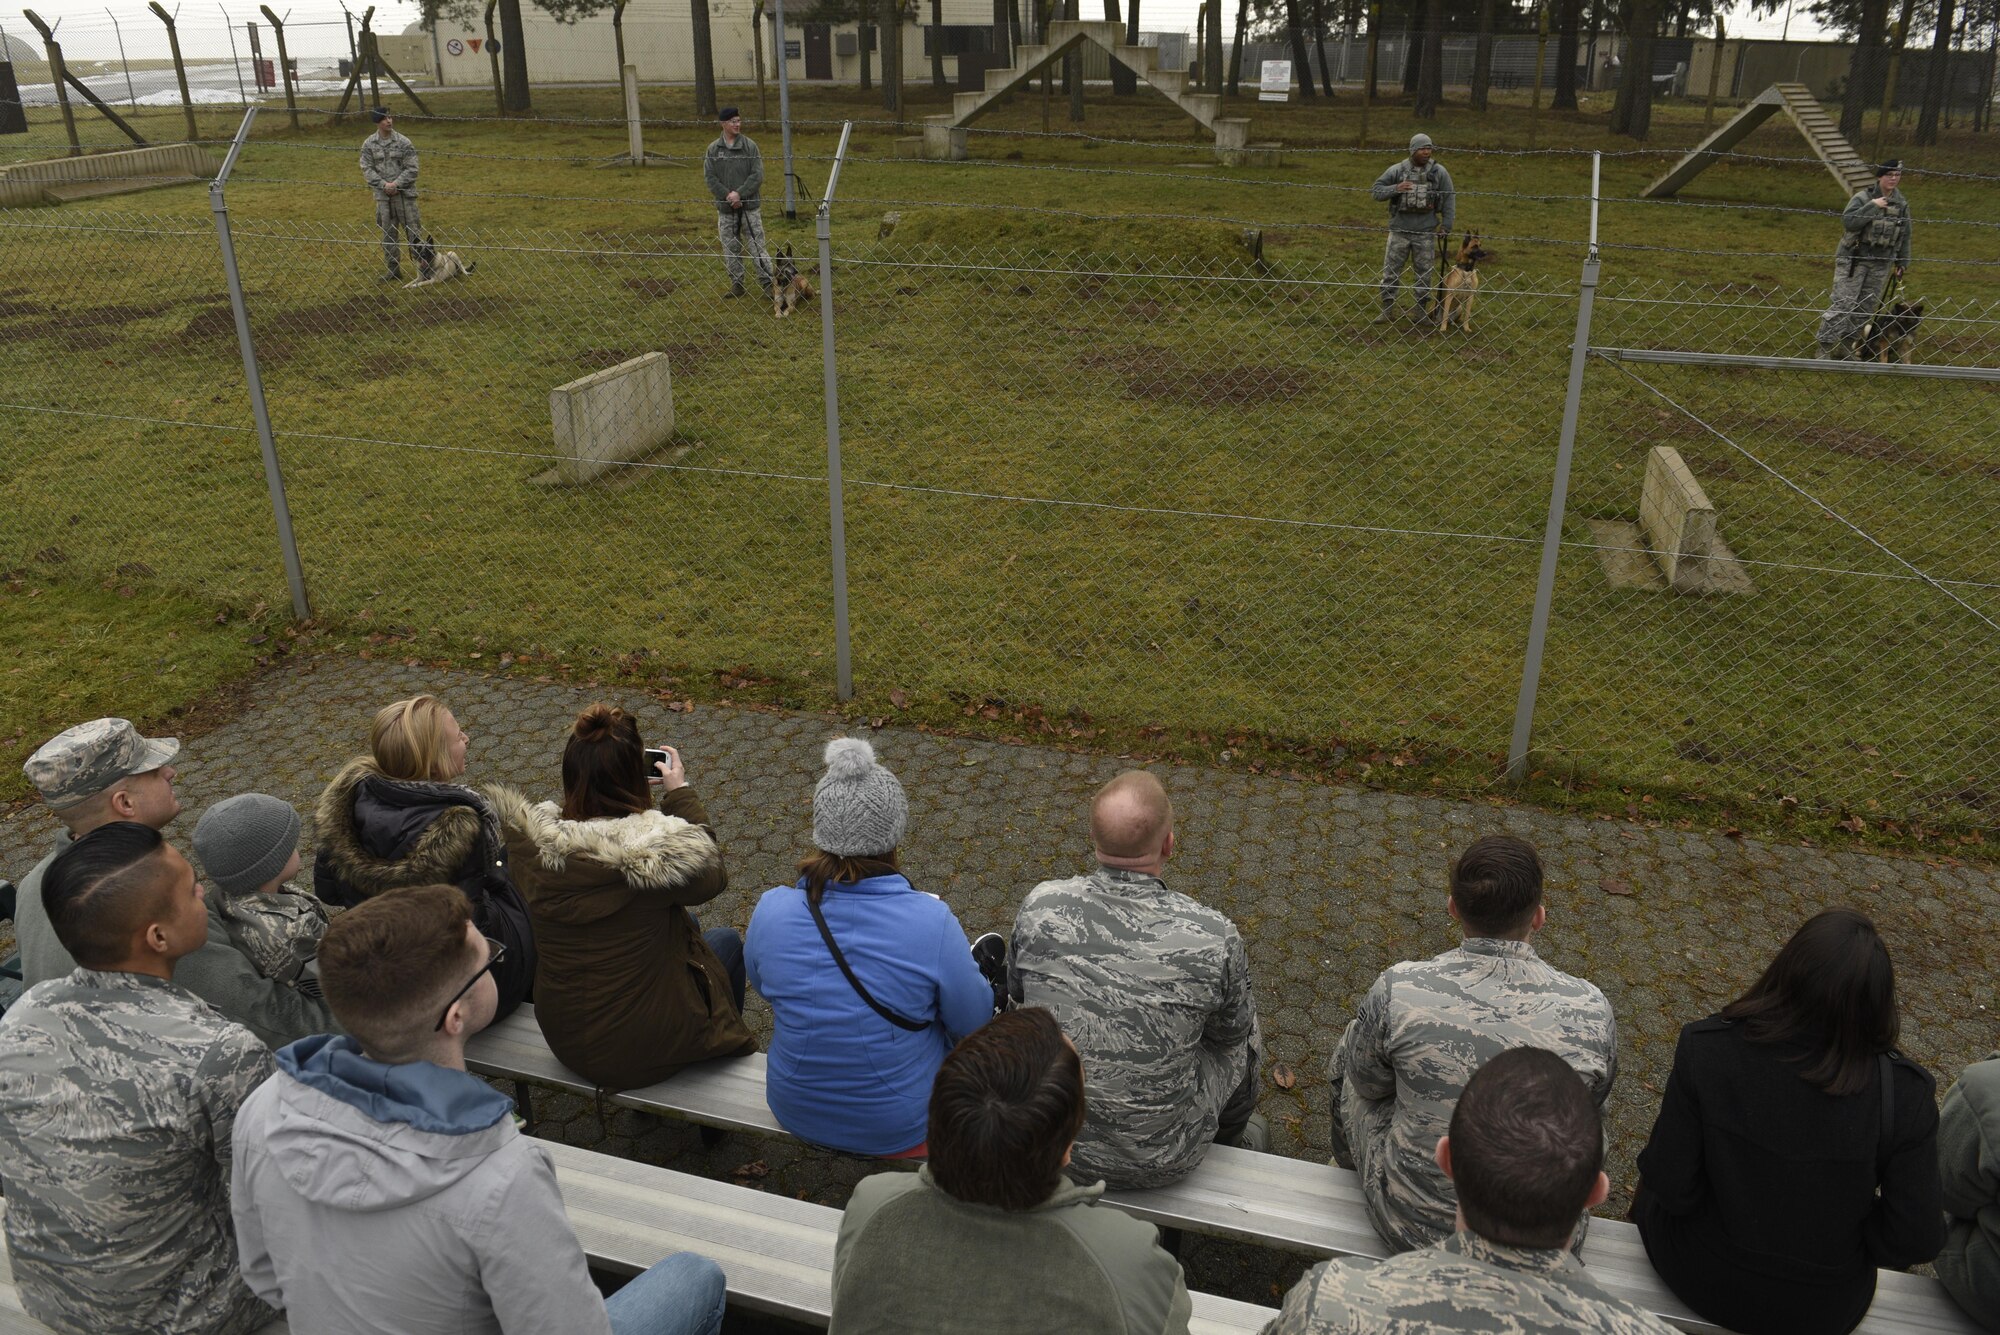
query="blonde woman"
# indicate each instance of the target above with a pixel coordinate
(396, 817)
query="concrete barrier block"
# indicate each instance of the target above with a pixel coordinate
(621, 413)
(944, 142)
(1677, 519)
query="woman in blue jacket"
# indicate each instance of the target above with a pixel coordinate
(870, 980)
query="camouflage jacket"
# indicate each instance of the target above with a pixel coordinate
(1871, 233)
(1154, 990)
(1421, 1032)
(1464, 1283)
(118, 1095)
(279, 933)
(391, 159)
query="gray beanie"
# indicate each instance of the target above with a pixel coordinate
(1418, 141)
(245, 841)
(858, 808)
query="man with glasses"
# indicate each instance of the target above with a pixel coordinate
(381, 1151)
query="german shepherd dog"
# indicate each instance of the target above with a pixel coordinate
(789, 288)
(434, 267)
(1461, 281)
(1887, 337)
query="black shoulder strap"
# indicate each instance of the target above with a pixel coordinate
(826, 935)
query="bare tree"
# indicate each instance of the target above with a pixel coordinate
(1213, 76)
(1297, 36)
(1939, 76)
(1482, 57)
(1124, 83)
(937, 43)
(1632, 113)
(1430, 76)
(1865, 72)
(704, 59)
(1569, 21)
(1236, 51)
(892, 55)
(1319, 46)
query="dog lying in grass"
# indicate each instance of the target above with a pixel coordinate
(789, 288)
(1461, 281)
(433, 267)
(1887, 337)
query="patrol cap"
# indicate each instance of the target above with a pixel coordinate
(1892, 165)
(79, 763)
(727, 114)
(1418, 141)
(379, 115)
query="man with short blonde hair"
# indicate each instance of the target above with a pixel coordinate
(1154, 990)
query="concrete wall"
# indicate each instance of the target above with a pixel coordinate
(1676, 517)
(624, 412)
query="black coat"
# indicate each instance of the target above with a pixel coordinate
(1766, 1203)
(376, 833)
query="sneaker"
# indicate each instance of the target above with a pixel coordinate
(1255, 1135)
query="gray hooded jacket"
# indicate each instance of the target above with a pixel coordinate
(415, 1177)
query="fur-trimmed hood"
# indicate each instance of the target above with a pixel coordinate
(648, 850)
(459, 825)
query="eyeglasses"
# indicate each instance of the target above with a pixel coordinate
(495, 953)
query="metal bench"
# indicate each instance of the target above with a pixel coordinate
(1262, 1198)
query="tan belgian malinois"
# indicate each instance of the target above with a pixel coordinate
(1461, 281)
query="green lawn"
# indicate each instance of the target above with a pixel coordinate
(1102, 474)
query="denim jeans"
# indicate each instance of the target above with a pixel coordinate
(727, 943)
(683, 1295)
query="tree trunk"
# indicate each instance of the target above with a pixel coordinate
(1124, 83)
(1482, 57)
(618, 36)
(864, 32)
(1632, 113)
(1132, 30)
(1864, 75)
(1430, 77)
(1073, 69)
(1236, 51)
(1319, 49)
(1212, 79)
(514, 58)
(1296, 35)
(704, 60)
(892, 56)
(937, 44)
(1002, 45)
(1373, 89)
(1566, 43)
(1938, 76)
(1413, 43)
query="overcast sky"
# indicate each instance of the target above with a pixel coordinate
(87, 28)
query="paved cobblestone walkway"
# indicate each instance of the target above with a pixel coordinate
(1329, 886)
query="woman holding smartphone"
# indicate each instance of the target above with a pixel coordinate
(629, 988)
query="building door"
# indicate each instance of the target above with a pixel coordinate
(819, 50)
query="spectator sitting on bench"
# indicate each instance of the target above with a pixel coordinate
(249, 850)
(381, 1187)
(628, 988)
(104, 771)
(1969, 1163)
(397, 817)
(1427, 1025)
(990, 1235)
(118, 1093)
(870, 980)
(1154, 989)
(1795, 1149)
(1525, 1150)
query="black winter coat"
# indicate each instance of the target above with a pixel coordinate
(1766, 1203)
(376, 833)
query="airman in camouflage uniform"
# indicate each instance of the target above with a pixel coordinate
(1874, 246)
(1154, 991)
(1464, 1284)
(389, 165)
(1419, 1035)
(118, 1094)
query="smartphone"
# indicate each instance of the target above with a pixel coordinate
(655, 757)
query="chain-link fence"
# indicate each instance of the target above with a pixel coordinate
(1189, 490)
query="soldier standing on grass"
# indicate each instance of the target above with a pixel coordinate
(389, 165)
(1875, 241)
(1421, 205)
(734, 170)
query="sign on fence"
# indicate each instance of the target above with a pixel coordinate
(1277, 82)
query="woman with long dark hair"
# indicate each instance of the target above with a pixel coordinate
(1795, 1150)
(629, 989)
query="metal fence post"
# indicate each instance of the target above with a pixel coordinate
(1545, 581)
(843, 662)
(294, 576)
(785, 109)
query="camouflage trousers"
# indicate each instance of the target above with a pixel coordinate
(1418, 250)
(392, 212)
(738, 228)
(1857, 293)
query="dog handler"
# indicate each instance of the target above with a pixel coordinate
(389, 165)
(1421, 205)
(734, 170)
(1874, 242)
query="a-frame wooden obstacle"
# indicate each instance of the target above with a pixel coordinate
(944, 136)
(1795, 101)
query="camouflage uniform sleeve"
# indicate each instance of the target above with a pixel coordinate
(1303, 1314)
(1369, 1071)
(368, 172)
(407, 177)
(1235, 1023)
(233, 1066)
(1603, 1095)
(1024, 935)
(1386, 183)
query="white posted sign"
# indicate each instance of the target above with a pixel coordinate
(1277, 82)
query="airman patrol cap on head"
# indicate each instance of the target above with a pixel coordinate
(79, 763)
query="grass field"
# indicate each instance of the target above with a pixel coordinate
(1108, 478)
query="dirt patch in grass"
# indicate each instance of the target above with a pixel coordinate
(1859, 443)
(1161, 376)
(14, 310)
(653, 287)
(378, 366)
(354, 315)
(597, 359)
(65, 324)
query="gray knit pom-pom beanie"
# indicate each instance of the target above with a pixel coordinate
(859, 809)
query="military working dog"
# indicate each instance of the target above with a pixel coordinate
(789, 288)
(1461, 281)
